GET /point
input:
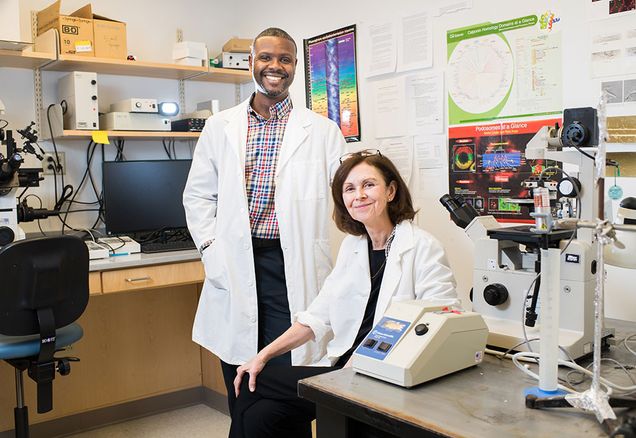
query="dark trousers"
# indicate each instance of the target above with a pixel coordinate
(274, 408)
(273, 306)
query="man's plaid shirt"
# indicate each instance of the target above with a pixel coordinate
(264, 139)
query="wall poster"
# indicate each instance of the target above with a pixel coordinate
(487, 165)
(331, 84)
(507, 69)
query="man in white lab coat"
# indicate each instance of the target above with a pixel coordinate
(256, 203)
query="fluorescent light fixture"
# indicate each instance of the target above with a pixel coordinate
(168, 108)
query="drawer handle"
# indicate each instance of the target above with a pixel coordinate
(133, 280)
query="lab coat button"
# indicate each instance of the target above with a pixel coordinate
(253, 318)
(250, 283)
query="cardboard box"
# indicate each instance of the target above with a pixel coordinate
(238, 45)
(85, 33)
(76, 33)
(109, 34)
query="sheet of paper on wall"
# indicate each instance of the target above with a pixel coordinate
(382, 46)
(598, 9)
(430, 151)
(450, 6)
(415, 42)
(613, 50)
(400, 151)
(389, 108)
(425, 103)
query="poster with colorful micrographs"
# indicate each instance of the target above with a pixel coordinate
(488, 165)
(331, 79)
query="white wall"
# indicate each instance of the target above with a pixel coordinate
(302, 21)
(215, 21)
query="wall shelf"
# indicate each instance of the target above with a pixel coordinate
(30, 60)
(613, 148)
(126, 68)
(226, 75)
(148, 69)
(49, 61)
(78, 134)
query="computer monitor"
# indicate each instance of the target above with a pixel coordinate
(144, 196)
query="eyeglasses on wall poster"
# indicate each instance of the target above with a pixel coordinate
(330, 79)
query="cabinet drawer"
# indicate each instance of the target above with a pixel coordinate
(146, 277)
(94, 283)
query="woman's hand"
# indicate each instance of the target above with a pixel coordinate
(253, 368)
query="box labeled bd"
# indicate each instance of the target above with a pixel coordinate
(76, 32)
(84, 33)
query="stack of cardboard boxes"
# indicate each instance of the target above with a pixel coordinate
(84, 33)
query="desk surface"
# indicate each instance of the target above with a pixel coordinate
(141, 259)
(475, 402)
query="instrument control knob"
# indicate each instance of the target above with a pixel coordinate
(421, 329)
(495, 294)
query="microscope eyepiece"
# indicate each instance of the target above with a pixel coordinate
(462, 213)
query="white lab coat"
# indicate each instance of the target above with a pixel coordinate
(415, 269)
(215, 202)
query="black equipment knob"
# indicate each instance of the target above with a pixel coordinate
(495, 294)
(421, 329)
(6, 236)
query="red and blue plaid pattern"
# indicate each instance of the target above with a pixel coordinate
(264, 139)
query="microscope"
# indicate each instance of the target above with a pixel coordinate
(13, 177)
(506, 274)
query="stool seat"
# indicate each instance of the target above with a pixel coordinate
(17, 347)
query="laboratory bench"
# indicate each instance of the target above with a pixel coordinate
(137, 355)
(482, 401)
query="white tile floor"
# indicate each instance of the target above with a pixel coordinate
(198, 421)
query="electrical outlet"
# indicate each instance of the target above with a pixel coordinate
(50, 160)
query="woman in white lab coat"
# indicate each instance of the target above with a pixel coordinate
(384, 258)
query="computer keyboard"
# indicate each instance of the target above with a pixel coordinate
(171, 245)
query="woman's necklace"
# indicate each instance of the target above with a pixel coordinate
(387, 247)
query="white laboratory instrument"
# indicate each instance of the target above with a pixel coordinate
(506, 279)
(78, 91)
(417, 341)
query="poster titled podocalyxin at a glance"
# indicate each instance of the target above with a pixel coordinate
(487, 166)
(330, 82)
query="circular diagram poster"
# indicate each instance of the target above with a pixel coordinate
(504, 70)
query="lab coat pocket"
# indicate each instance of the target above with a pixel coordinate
(309, 180)
(215, 271)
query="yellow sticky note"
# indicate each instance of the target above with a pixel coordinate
(100, 137)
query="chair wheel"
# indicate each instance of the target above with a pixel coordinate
(63, 367)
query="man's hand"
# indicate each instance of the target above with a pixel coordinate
(253, 368)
